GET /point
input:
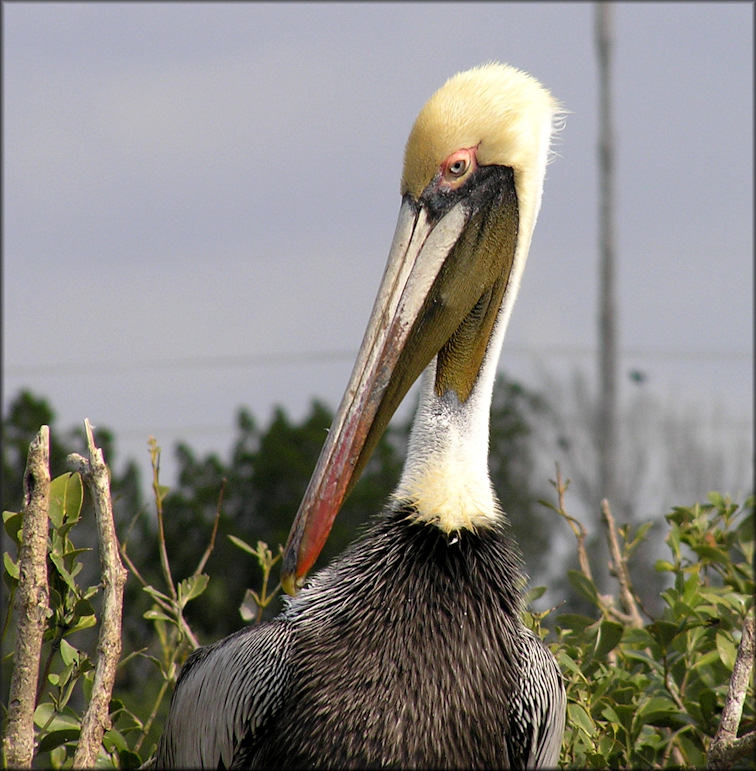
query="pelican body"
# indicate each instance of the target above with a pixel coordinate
(408, 650)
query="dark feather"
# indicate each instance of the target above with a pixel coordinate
(407, 651)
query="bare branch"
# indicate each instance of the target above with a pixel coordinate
(187, 630)
(131, 566)
(211, 545)
(726, 747)
(32, 604)
(148, 724)
(172, 608)
(607, 603)
(96, 719)
(618, 567)
(164, 563)
(576, 525)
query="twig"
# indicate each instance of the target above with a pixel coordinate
(726, 747)
(618, 567)
(164, 563)
(606, 602)
(211, 545)
(96, 719)
(187, 630)
(678, 756)
(148, 725)
(32, 604)
(264, 599)
(131, 566)
(672, 750)
(169, 607)
(576, 525)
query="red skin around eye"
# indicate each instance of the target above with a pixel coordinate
(468, 154)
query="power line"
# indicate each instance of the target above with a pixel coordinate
(194, 363)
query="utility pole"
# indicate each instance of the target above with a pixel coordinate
(607, 423)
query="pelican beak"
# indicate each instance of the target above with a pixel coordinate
(447, 270)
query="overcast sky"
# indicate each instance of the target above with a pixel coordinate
(199, 200)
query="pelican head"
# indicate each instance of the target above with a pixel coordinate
(471, 189)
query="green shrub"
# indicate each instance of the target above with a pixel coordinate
(641, 693)
(650, 693)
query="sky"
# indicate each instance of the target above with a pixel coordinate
(198, 201)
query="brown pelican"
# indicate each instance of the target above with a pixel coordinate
(409, 649)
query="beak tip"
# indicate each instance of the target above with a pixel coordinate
(289, 584)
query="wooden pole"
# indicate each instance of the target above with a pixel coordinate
(607, 423)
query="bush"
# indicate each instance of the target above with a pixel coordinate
(654, 692)
(650, 693)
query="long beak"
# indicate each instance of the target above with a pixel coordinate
(421, 303)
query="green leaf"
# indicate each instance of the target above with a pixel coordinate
(709, 553)
(657, 704)
(707, 658)
(609, 635)
(574, 621)
(63, 572)
(663, 631)
(534, 594)
(11, 568)
(639, 638)
(156, 615)
(625, 713)
(683, 610)
(623, 695)
(577, 716)
(129, 759)
(608, 713)
(68, 653)
(628, 653)
(727, 651)
(191, 587)
(243, 545)
(83, 608)
(13, 522)
(583, 586)
(114, 741)
(66, 496)
(56, 738)
(693, 755)
(250, 605)
(58, 500)
(58, 720)
(717, 499)
(707, 700)
(72, 554)
(568, 664)
(84, 622)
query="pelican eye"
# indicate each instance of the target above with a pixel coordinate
(458, 167)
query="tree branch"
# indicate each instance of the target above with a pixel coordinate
(209, 550)
(164, 562)
(97, 717)
(726, 747)
(576, 525)
(618, 567)
(32, 605)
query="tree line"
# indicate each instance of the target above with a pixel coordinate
(643, 687)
